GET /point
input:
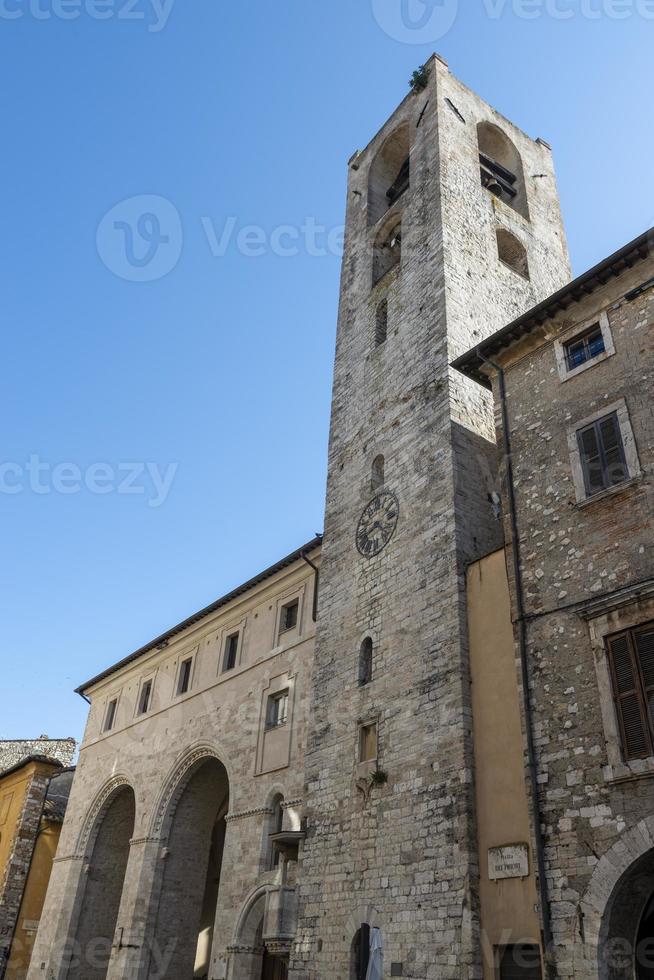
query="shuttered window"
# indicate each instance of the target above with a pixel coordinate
(631, 656)
(602, 454)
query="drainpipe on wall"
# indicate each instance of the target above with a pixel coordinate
(316, 582)
(521, 623)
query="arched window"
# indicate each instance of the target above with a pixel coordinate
(381, 323)
(365, 662)
(512, 252)
(377, 476)
(389, 174)
(275, 825)
(502, 172)
(387, 252)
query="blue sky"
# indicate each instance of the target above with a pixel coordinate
(217, 374)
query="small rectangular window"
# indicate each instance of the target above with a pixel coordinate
(184, 679)
(110, 717)
(631, 659)
(289, 616)
(602, 454)
(144, 698)
(520, 962)
(277, 710)
(231, 649)
(368, 742)
(584, 347)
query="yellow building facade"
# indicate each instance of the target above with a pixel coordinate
(33, 796)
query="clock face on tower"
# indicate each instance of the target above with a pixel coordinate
(377, 524)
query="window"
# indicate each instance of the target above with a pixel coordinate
(145, 698)
(368, 742)
(381, 323)
(231, 650)
(110, 717)
(288, 620)
(389, 174)
(502, 172)
(276, 825)
(512, 252)
(277, 710)
(377, 475)
(184, 679)
(520, 962)
(387, 251)
(365, 662)
(631, 661)
(602, 454)
(584, 348)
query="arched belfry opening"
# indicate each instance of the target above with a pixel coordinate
(502, 172)
(390, 174)
(626, 942)
(104, 874)
(192, 863)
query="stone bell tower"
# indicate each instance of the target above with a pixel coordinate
(453, 229)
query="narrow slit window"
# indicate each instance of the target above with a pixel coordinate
(277, 710)
(365, 662)
(184, 679)
(231, 651)
(602, 454)
(110, 718)
(584, 348)
(378, 475)
(381, 323)
(145, 698)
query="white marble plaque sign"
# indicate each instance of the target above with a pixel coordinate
(509, 861)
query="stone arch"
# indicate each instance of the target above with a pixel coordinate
(176, 781)
(361, 926)
(389, 174)
(190, 819)
(104, 846)
(91, 823)
(361, 914)
(247, 950)
(626, 870)
(502, 170)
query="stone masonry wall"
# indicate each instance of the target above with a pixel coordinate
(585, 568)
